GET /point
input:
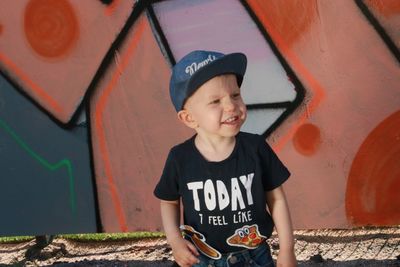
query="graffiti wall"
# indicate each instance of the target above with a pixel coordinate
(86, 121)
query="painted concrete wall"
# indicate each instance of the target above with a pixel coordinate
(322, 85)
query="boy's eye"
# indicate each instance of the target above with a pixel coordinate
(236, 95)
(216, 101)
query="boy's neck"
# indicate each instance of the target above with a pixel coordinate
(215, 149)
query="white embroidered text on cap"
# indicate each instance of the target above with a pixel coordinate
(192, 68)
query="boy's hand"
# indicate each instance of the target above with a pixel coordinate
(286, 258)
(184, 252)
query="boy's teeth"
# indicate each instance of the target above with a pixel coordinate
(230, 119)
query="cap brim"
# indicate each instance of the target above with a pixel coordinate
(234, 63)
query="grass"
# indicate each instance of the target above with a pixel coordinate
(98, 237)
(16, 239)
(112, 237)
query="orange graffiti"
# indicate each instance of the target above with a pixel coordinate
(317, 91)
(282, 14)
(372, 195)
(42, 94)
(387, 8)
(51, 27)
(111, 8)
(307, 139)
(99, 111)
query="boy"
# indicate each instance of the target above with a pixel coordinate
(223, 177)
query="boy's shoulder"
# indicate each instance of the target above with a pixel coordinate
(250, 138)
(183, 148)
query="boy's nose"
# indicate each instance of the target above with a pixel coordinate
(229, 105)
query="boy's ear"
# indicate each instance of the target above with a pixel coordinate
(185, 117)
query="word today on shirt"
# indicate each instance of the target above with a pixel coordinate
(215, 192)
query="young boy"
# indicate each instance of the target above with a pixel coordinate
(223, 177)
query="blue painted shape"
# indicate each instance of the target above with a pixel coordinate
(45, 178)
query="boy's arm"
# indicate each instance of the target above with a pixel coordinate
(183, 251)
(279, 210)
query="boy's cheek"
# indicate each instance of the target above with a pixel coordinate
(244, 111)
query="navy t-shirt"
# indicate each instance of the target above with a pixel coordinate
(224, 202)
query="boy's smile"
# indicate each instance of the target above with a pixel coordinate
(232, 120)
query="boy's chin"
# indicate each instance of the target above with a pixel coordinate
(231, 132)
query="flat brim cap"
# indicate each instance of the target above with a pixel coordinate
(187, 77)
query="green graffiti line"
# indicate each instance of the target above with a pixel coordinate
(51, 167)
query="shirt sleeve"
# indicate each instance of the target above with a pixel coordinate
(168, 186)
(275, 172)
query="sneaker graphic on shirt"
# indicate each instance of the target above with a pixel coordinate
(199, 241)
(247, 236)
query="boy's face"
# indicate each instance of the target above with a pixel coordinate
(216, 108)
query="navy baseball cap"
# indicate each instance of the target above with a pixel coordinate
(197, 67)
